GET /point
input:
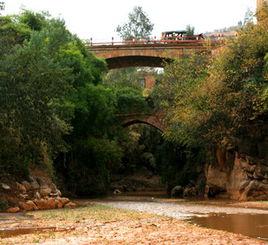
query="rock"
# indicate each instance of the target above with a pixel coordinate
(70, 205)
(27, 185)
(53, 188)
(5, 186)
(177, 191)
(37, 195)
(40, 181)
(41, 204)
(63, 200)
(255, 191)
(116, 192)
(215, 177)
(213, 191)
(13, 210)
(21, 187)
(56, 194)
(265, 181)
(35, 185)
(23, 196)
(28, 206)
(58, 203)
(189, 192)
(51, 203)
(45, 191)
(258, 176)
(243, 185)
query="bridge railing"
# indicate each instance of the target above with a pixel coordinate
(183, 41)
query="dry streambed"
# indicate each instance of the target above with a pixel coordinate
(98, 224)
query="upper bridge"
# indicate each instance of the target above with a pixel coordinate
(153, 53)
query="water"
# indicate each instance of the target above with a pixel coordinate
(252, 225)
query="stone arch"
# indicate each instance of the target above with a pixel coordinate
(136, 60)
(151, 120)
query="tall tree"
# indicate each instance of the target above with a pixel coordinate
(138, 25)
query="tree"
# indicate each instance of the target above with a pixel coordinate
(227, 101)
(138, 26)
(190, 30)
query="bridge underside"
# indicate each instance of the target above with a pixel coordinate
(132, 61)
(152, 121)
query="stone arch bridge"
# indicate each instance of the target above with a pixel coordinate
(155, 119)
(149, 53)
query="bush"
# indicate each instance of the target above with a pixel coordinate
(3, 205)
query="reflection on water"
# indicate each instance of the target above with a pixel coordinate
(246, 224)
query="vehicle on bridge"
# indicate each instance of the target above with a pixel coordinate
(180, 35)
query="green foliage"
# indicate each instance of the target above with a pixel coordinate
(89, 173)
(211, 101)
(95, 108)
(12, 33)
(3, 205)
(125, 77)
(130, 101)
(43, 70)
(35, 21)
(189, 30)
(32, 84)
(138, 26)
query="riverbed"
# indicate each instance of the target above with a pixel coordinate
(140, 220)
(220, 214)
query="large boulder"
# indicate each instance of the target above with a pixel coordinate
(28, 206)
(190, 192)
(44, 191)
(70, 205)
(63, 200)
(21, 188)
(177, 191)
(5, 186)
(35, 185)
(41, 204)
(13, 210)
(27, 185)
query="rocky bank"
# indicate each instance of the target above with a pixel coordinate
(38, 192)
(245, 180)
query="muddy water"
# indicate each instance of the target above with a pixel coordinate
(7, 232)
(250, 222)
(246, 224)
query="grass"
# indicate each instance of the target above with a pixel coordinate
(93, 212)
(66, 218)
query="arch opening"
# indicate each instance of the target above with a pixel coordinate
(155, 125)
(136, 61)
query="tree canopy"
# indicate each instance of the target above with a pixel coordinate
(138, 26)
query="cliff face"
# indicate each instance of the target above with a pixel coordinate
(240, 170)
(246, 180)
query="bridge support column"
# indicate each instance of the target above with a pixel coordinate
(149, 81)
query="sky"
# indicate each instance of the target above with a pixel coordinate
(98, 19)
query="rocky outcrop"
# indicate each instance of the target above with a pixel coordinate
(246, 180)
(177, 191)
(36, 193)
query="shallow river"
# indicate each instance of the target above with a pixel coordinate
(221, 215)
